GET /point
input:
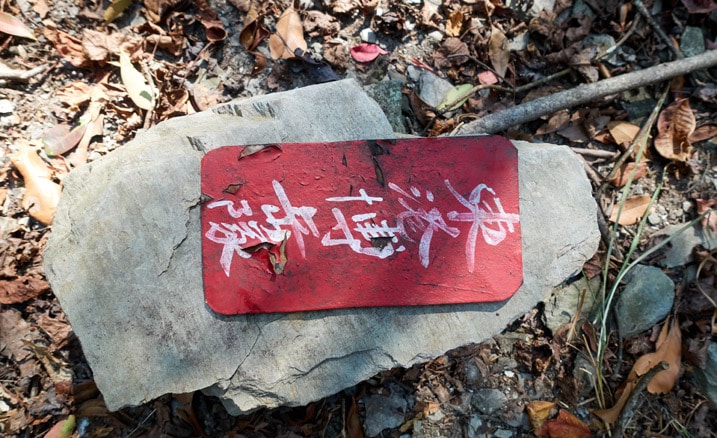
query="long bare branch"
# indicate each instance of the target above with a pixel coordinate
(586, 93)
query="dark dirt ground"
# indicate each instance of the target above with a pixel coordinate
(197, 61)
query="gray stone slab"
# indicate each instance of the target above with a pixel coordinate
(124, 259)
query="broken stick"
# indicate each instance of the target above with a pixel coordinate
(586, 93)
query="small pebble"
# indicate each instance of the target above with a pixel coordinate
(436, 36)
(686, 206)
(654, 219)
(6, 106)
(368, 36)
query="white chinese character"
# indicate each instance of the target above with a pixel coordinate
(421, 220)
(491, 224)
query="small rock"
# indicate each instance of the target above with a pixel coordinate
(654, 219)
(502, 433)
(519, 42)
(388, 95)
(436, 36)
(432, 88)
(564, 301)
(692, 42)
(585, 374)
(474, 425)
(385, 412)
(436, 416)
(707, 378)
(368, 35)
(679, 251)
(488, 400)
(6, 106)
(646, 299)
(506, 341)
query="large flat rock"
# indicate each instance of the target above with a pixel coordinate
(124, 259)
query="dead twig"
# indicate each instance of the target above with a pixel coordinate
(598, 153)
(586, 93)
(11, 74)
(657, 28)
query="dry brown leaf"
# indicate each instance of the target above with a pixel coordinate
(74, 95)
(634, 209)
(556, 122)
(623, 132)
(454, 24)
(498, 51)
(317, 23)
(353, 422)
(704, 132)
(675, 125)
(343, 6)
(99, 46)
(21, 289)
(538, 412)
(669, 349)
(289, 36)
(66, 45)
(453, 52)
(623, 174)
(565, 426)
(213, 26)
(41, 193)
(14, 26)
(253, 32)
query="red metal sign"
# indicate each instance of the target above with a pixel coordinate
(294, 227)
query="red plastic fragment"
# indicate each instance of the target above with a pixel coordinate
(296, 227)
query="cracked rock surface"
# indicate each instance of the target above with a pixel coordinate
(124, 260)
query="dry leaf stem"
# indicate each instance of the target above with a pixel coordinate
(631, 404)
(586, 93)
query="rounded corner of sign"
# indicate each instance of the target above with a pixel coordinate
(510, 292)
(216, 307)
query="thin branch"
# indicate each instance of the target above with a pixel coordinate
(586, 93)
(11, 74)
(657, 28)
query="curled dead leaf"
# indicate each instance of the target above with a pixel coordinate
(564, 426)
(454, 24)
(634, 209)
(498, 51)
(623, 132)
(626, 169)
(668, 349)
(289, 36)
(675, 125)
(41, 193)
(538, 413)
